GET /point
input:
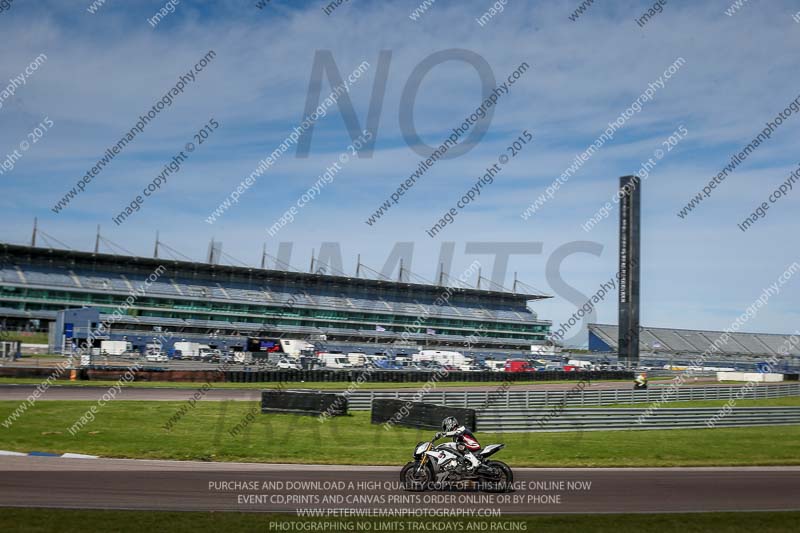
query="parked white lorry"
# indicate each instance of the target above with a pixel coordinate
(545, 350)
(495, 366)
(295, 348)
(456, 359)
(335, 360)
(156, 357)
(115, 347)
(288, 364)
(244, 358)
(580, 363)
(357, 358)
(210, 353)
(191, 350)
(154, 354)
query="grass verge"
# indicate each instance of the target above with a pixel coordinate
(26, 337)
(134, 429)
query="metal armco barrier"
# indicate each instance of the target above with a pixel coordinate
(527, 399)
(576, 419)
(662, 373)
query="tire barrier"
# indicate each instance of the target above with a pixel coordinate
(28, 372)
(154, 373)
(303, 402)
(113, 374)
(419, 415)
(576, 419)
(416, 376)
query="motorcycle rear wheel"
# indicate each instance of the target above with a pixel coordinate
(505, 480)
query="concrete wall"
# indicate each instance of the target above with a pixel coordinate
(749, 376)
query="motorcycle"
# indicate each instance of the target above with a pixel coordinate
(440, 465)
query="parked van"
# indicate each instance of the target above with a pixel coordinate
(495, 366)
(357, 358)
(444, 358)
(581, 364)
(335, 360)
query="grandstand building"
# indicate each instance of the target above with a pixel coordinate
(221, 304)
(670, 341)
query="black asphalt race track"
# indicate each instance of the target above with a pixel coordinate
(30, 481)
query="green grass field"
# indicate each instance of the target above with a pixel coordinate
(28, 338)
(133, 429)
(79, 521)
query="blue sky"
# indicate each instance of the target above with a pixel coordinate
(104, 69)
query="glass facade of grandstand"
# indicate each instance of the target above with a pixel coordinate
(35, 283)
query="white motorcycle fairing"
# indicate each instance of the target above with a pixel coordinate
(490, 449)
(443, 458)
(446, 464)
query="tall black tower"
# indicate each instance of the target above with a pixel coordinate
(629, 233)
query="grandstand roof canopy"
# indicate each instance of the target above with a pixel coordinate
(215, 271)
(671, 340)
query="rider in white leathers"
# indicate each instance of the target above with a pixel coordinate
(464, 437)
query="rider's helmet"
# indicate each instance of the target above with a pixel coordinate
(449, 424)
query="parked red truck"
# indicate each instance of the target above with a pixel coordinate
(519, 365)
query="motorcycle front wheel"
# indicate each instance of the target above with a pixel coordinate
(411, 479)
(504, 481)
